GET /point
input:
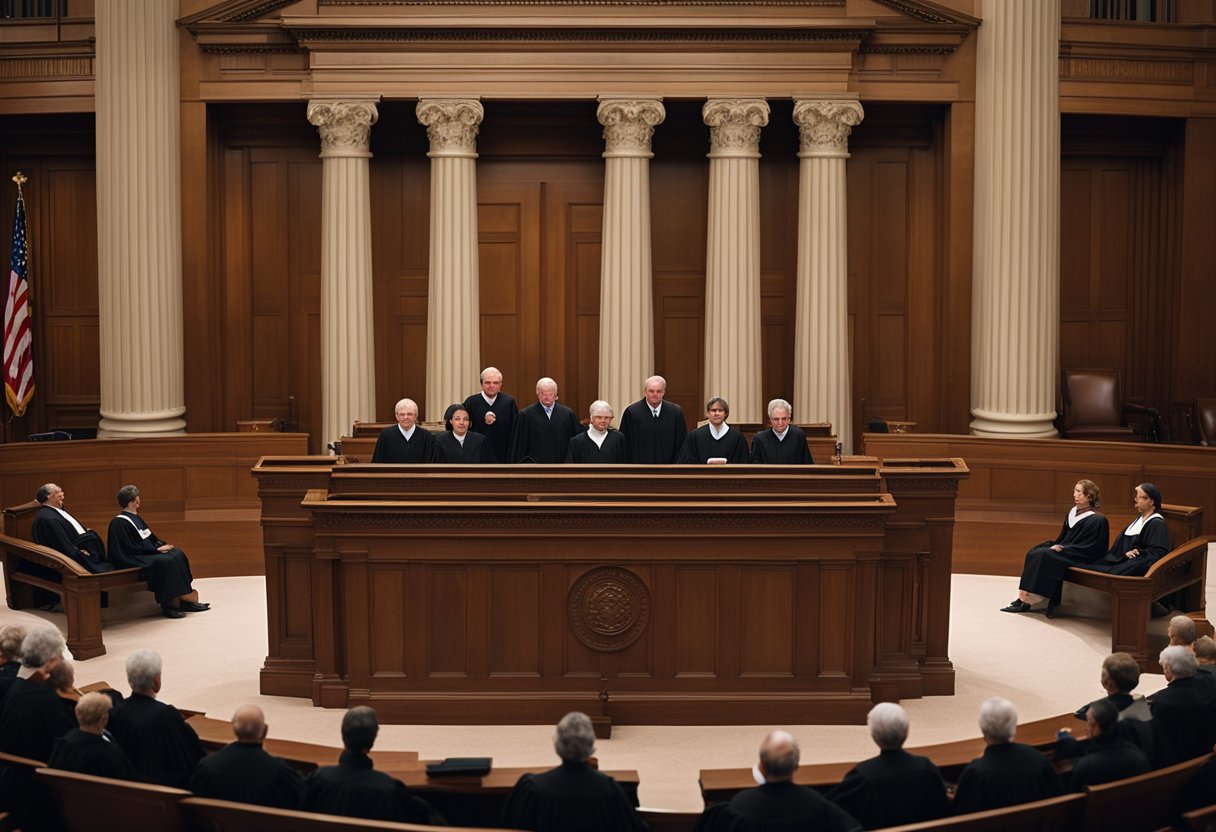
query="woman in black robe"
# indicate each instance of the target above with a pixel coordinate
(1142, 543)
(701, 447)
(1082, 540)
(459, 444)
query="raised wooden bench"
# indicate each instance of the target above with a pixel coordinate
(78, 588)
(225, 816)
(1183, 569)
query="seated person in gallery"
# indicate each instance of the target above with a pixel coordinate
(1183, 709)
(716, 443)
(492, 413)
(573, 795)
(1009, 772)
(58, 530)
(90, 748)
(33, 716)
(543, 429)
(406, 442)
(10, 655)
(1120, 675)
(895, 787)
(459, 444)
(165, 567)
(1106, 756)
(655, 427)
(599, 444)
(778, 804)
(1142, 543)
(1082, 540)
(243, 772)
(784, 444)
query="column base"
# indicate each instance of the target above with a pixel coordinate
(132, 426)
(1013, 426)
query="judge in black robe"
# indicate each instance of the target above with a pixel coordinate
(91, 749)
(655, 427)
(162, 747)
(572, 796)
(599, 444)
(492, 413)
(58, 530)
(458, 444)
(1009, 772)
(1106, 756)
(543, 430)
(1142, 543)
(243, 772)
(405, 443)
(1082, 540)
(702, 445)
(163, 565)
(1181, 708)
(783, 444)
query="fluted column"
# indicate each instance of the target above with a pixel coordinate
(348, 362)
(453, 333)
(1016, 284)
(139, 244)
(822, 390)
(732, 280)
(626, 292)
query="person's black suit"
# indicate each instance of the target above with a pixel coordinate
(354, 789)
(654, 440)
(541, 438)
(1184, 718)
(892, 789)
(32, 719)
(571, 796)
(476, 449)
(392, 447)
(1107, 758)
(88, 753)
(499, 434)
(614, 451)
(1007, 774)
(162, 747)
(767, 449)
(245, 773)
(777, 807)
(51, 529)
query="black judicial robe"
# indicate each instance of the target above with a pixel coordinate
(892, 789)
(767, 449)
(476, 449)
(700, 447)
(1185, 719)
(88, 753)
(32, 719)
(614, 451)
(499, 434)
(243, 772)
(392, 447)
(654, 440)
(167, 573)
(1007, 774)
(51, 529)
(540, 438)
(1107, 758)
(162, 747)
(8, 675)
(354, 789)
(1153, 541)
(777, 807)
(1043, 569)
(571, 797)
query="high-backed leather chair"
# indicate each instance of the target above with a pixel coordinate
(1093, 408)
(1205, 420)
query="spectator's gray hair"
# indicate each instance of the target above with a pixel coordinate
(360, 727)
(41, 645)
(779, 756)
(1184, 629)
(574, 739)
(92, 708)
(1122, 670)
(780, 404)
(10, 642)
(143, 666)
(888, 725)
(600, 406)
(998, 719)
(1180, 661)
(1205, 649)
(127, 494)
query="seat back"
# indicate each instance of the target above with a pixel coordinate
(19, 520)
(665, 820)
(226, 816)
(1205, 420)
(89, 802)
(1147, 802)
(1200, 820)
(1055, 814)
(1092, 397)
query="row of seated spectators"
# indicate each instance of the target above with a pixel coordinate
(140, 738)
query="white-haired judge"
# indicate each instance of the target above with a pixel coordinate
(599, 444)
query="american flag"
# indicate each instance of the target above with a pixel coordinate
(18, 350)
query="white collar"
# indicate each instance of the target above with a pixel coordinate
(75, 523)
(460, 438)
(1074, 518)
(719, 433)
(408, 434)
(656, 409)
(489, 401)
(781, 436)
(1139, 522)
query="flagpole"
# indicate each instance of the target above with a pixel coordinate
(19, 179)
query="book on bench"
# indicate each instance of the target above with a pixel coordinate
(460, 765)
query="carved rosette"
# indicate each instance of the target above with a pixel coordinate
(629, 126)
(734, 126)
(824, 126)
(608, 608)
(451, 125)
(345, 126)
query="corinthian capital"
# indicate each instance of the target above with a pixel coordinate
(451, 125)
(824, 126)
(734, 125)
(629, 125)
(345, 126)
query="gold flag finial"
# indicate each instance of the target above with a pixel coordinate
(20, 178)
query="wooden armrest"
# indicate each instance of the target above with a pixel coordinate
(1184, 552)
(43, 555)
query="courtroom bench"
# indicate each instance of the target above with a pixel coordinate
(79, 589)
(1182, 570)
(225, 816)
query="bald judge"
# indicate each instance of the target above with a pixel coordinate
(543, 430)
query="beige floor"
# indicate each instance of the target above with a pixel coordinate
(212, 661)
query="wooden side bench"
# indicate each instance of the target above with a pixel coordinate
(1183, 569)
(79, 589)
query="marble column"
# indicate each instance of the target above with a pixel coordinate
(1015, 322)
(139, 244)
(348, 358)
(732, 279)
(453, 333)
(626, 289)
(822, 390)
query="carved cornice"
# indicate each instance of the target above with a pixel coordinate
(824, 126)
(827, 3)
(345, 126)
(629, 125)
(846, 37)
(734, 126)
(451, 125)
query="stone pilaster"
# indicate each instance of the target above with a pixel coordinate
(348, 361)
(1016, 284)
(626, 290)
(822, 389)
(139, 245)
(453, 312)
(732, 280)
